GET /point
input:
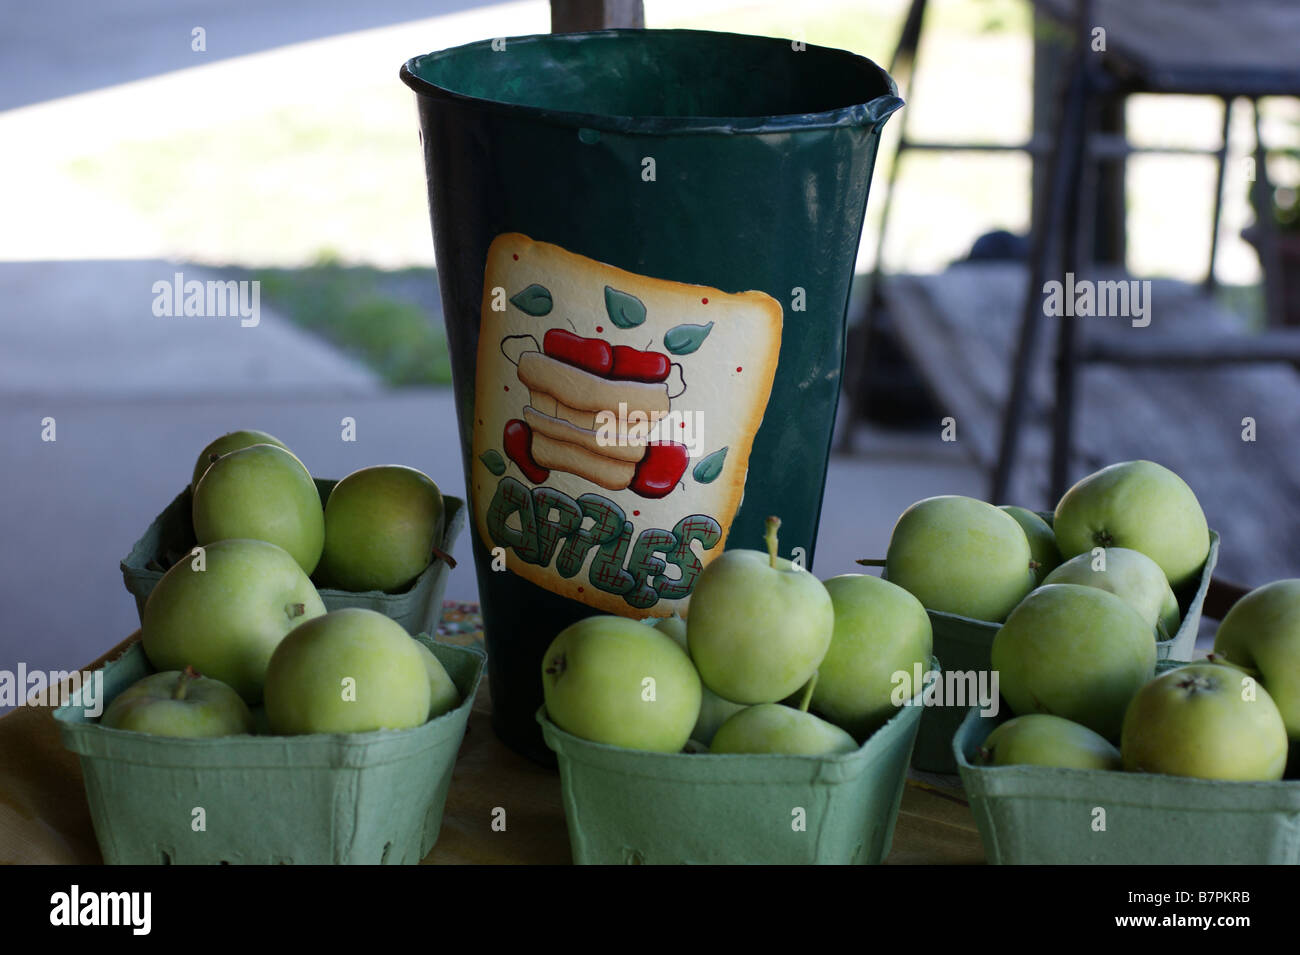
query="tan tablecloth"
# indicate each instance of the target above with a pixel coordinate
(44, 817)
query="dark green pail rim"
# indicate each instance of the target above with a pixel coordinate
(660, 81)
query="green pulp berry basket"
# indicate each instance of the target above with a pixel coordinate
(1042, 815)
(965, 644)
(359, 798)
(171, 536)
(626, 806)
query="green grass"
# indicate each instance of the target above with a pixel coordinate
(1245, 300)
(352, 308)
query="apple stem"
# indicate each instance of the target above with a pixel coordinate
(295, 610)
(871, 562)
(806, 699)
(772, 524)
(445, 557)
(188, 676)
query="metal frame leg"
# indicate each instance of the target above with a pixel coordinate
(1077, 228)
(1063, 163)
(1268, 257)
(1221, 157)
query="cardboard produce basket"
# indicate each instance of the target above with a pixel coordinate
(1042, 815)
(966, 644)
(355, 798)
(171, 536)
(626, 806)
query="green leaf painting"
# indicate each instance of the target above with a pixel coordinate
(535, 300)
(685, 339)
(495, 463)
(707, 471)
(625, 311)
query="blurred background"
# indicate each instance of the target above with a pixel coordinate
(272, 141)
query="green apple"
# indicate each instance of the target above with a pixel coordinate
(880, 629)
(776, 728)
(234, 441)
(381, 527)
(1205, 720)
(614, 680)
(179, 703)
(962, 556)
(758, 626)
(264, 493)
(1139, 505)
(1130, 575)
(349, 671)
(675, 627)
(1043, 740)
(443, 695)
(714, 710)
(224, 612)
(1262, 631)
(1042, 541)
(1075, 652)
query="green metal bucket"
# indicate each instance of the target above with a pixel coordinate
(645, 242)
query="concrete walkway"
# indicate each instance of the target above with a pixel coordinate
(89, 329)
(90, 45)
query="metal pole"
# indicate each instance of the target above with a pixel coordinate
(1221, 158)
(1060, 174)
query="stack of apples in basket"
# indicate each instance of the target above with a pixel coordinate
(770, 660)
(1082, 602)
(237, 630)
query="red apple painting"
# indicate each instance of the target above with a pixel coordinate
(614, 416)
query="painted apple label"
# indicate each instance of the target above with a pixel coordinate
(517, 439)
(493, 461)
(590, 354)
(707, 471)
(686, 339)
(624, 310)
(634, 364)
(534, 300)
(614, 418)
